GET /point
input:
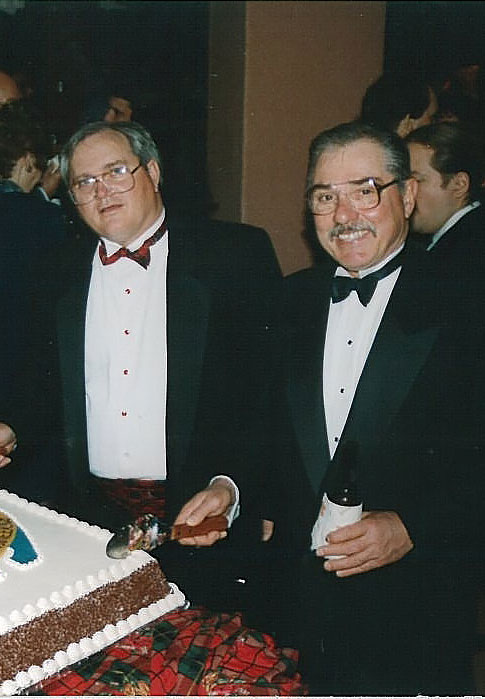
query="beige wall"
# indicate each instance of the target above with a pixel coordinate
(301, 67)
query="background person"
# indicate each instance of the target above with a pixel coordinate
(447, 162)
(29, 227)
(400, 102)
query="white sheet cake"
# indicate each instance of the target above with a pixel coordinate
(61, 597)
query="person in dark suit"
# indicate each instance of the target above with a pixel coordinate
(149, 373)
(27, 224)
(375, 364)
(447, 162)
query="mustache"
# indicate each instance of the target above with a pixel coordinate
(346, 228)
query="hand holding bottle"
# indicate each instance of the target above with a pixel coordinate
(378, 539)
(336, 511)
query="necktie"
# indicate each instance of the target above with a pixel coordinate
(365, 287)
(142, 255)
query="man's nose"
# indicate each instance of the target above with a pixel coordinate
(100, 188)
(344, 210)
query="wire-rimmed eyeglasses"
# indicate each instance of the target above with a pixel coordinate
(118, 178)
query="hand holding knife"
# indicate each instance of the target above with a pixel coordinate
(8, 444)
(148, 531)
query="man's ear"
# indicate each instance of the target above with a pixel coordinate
(153, 170)
(409, 196)
(459, 185)
(30, 162)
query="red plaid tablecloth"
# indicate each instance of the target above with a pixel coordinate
(191, 652)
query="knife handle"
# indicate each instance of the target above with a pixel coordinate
(210, 524)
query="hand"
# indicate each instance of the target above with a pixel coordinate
(267, 529)
(212, 501)
(378, 539)
(50, 181)
(8, 443)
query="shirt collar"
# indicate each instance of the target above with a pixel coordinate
(111, 246)
(451, 222)
(342, 272)
(8, 186)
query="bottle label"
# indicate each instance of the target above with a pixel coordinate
(332, 517)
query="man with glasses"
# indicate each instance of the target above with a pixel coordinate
(153, 337)
(376, 369)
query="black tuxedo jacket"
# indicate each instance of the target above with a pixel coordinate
(463, 243)
(416, 417)
(28, 226)
(221, 283)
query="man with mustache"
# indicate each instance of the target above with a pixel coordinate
(375, 365)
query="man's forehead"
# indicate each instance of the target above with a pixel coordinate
(420, 152)
(353, 161)
(100, 149)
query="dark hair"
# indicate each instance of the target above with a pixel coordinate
(392, 97)
(459, 107)
(141, 142)
(397, 155)
(21, 132)
(455, 149)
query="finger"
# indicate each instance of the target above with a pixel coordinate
(212, 501)
(352, 547)
(215, 502)
(7, 449)
(206, 508)
(188, 509)
(332, 565)
(205, 540)
(349, 531)
(356, 570)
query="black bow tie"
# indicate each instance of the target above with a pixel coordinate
(142, 255)
(365, 287)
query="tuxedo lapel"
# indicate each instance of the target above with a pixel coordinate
(400, 349)
(71, 317)
(305, 388)
(187, 321)
(386, 380)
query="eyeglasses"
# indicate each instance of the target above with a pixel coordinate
(118, 178)
(362, 194)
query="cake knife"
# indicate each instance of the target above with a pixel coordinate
(147, 532)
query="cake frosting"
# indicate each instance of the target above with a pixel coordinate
(61, 597)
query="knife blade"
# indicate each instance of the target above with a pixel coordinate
(148, 531)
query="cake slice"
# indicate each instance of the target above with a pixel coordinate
(61, 598)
